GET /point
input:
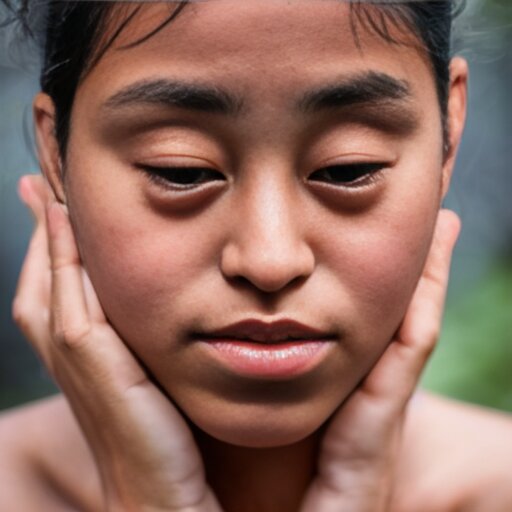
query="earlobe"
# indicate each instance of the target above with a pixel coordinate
(47, 145)
(456, 112)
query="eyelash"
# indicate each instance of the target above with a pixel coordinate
(181, 179)
(352, 175)
(170, 177)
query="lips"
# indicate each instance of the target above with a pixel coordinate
(279, 331)
(278, 350)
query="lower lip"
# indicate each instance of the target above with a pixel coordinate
(272, 361)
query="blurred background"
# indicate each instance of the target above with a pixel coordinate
(473, 360)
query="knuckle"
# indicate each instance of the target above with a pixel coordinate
(62, 263)
(427, 342)
(71, 337)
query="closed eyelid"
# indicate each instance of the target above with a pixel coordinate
(349, 176)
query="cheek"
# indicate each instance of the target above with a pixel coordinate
(140, 265)
(378, 266)
(373, 261)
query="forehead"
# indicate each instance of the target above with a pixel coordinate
(254, 46)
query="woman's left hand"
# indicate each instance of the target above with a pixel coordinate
(360, 448)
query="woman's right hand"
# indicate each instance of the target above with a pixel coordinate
(144, 450)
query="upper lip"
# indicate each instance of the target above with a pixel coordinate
(268, 332)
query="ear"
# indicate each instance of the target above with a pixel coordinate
(47, 145)
(456, 116)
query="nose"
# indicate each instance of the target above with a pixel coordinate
(267, 245)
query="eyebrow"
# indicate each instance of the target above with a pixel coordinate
(365, 88)
(368, 88)
(190, 96)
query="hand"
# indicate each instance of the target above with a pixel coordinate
(359, 449)
(145, 453)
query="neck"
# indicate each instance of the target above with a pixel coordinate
(259, 479)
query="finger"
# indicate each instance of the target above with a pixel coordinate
(93, 304)
(35, 193)
(422, 322)
(70, 321)
(397, 372)
(90, 348)
(30, 307)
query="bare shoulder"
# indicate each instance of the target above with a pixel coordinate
(45, 464)
(455, 457)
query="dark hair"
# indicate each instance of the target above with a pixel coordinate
(71, 34)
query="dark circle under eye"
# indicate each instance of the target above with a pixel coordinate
(186, 175)
(346, 173)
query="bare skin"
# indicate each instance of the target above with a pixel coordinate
(48, 464)
(48, 467)
(122, 270)
(355, 457)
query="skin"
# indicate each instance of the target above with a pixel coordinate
(264, 241)
(295, 248)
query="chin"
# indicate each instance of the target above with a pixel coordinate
(268, 427)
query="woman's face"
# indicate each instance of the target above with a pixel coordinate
(315, 173)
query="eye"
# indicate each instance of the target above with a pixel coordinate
(349, 175)
(181, 178)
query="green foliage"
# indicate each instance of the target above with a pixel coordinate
(473, 361)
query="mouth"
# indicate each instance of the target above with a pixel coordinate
(257, 331)
(276, 350)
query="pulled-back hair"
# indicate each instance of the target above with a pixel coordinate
(71, 37)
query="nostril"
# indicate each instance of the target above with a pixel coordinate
(265, 292)
(267, 263)
(267, 279)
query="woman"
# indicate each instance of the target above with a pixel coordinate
(239, 263)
